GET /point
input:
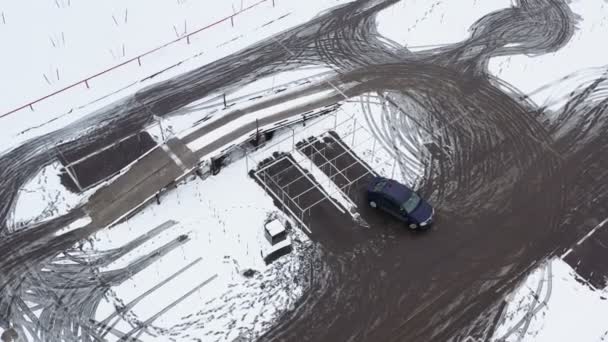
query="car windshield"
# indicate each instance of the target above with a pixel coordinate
(411, 203)
(380, 185)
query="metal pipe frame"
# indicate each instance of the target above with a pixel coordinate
(349, 181)
(316, 185)
(339, 188)
(330, 160)
(323, 133)
(296, 217)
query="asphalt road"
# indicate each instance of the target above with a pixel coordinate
(514, 185)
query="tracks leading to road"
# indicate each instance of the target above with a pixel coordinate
(511, 186)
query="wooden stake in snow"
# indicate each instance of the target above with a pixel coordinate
(232, 16)
(257, 132)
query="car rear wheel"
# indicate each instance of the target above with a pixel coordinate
(373, 204)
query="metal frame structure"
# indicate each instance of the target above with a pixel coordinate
(291, 202)
(70, 165)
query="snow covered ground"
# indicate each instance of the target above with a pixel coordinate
(82, 38)
(183, 121)
(436, 23)
(76, 63)
(577, 59)
(43, 197)
(228, 243)
(433, 23)
(375, 142)
(357, 123)
(225, 232)
(223, 216)
(573, 310)
(554, 304)
(251, 118)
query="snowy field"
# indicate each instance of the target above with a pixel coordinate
(225, 233)
(573, 311)
(433, 23)
(438, 23)
(212, 299)
(222, 244)
(571, 65)
(554, 304)
(42, 198)
(77, 60)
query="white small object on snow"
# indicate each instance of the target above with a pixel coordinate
(274, 231)
(280, 243)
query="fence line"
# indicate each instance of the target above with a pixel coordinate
(85, 81)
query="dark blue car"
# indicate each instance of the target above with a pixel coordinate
(400, 201)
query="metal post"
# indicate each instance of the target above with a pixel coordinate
(354, 130)
(374, 150)
(309, 221)
(394, 165)
(283, 199)
(264, 178)
(311, 158)
(257, 132)
(225, 105)
(160, 124)
(246, 163)
(335, 121)
(67, 168)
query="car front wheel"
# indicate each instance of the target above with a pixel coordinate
(373, 204)
(413, 226)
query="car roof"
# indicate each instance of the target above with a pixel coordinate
(393, 189)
